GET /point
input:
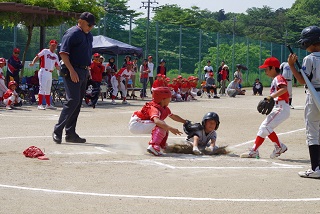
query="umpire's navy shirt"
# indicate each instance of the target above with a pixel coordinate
(78, 45)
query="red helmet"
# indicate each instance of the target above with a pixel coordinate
(12, 83)
(3, 60)
(160, 93)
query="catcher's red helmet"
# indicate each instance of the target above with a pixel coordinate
(3, 60)
(12, 83)
(160, 93)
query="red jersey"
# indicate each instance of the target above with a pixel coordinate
(158, 83)
(224, 74)
(96, 70)
(276, 82)
(151, 110)
(8, 93)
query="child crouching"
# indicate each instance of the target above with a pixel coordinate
(150, 119)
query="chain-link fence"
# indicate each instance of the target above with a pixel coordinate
(186, 50)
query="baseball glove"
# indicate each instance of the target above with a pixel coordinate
(265, 106)
(33, 152)
(189, 128)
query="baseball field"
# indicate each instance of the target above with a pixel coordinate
(113, 173)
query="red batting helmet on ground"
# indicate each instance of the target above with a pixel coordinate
(160, 93)
(12, 83)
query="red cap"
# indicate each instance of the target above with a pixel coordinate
(159, 75)
(211, 74)
(53, 42)
(149, 57)
(179, 77)
(168, 79)
(129, 63)
(3, 60)
(96, 55)
(271, 61)
(16, 50)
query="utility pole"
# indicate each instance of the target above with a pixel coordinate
(148, 5)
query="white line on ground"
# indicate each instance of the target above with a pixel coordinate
(151, 162)
(102, 149)
(160, 197)
(252, 141)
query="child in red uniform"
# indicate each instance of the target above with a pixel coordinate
(150, 119)
(159, 82)
(11, 96)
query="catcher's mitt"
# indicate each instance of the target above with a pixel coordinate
(265, 106)
(189, 128)
(33, 152)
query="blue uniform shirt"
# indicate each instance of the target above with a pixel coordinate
(78, 45)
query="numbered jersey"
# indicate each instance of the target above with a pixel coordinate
(48, 59)
(311, 67)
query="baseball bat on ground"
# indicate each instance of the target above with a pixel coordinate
(314, 94)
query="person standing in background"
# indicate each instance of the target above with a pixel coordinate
(287, 74)
(151, 68)
(207, 70)
(14, 67)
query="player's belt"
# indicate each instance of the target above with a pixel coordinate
(288, 79)
(277, 102)
(48, 70)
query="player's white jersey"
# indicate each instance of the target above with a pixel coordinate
(311, 66)
(125, 75)
(151, 67)
(287, 73)
(276, 82)
(48, 59)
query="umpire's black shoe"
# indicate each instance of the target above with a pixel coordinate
(75, 139)
(56, 138)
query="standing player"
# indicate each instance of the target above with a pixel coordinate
(14, 67)
(3, 87)
(310, 40)
(207, 70)
(48, 61)
(125, 75)
(151, 68)
(280, 111)
(287, 74)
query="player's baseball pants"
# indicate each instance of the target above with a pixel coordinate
(312, 120)
(138, 126)
(45, 81)
(279, 113)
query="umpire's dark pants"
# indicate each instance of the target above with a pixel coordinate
(71, 109)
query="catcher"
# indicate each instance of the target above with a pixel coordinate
(150, 119)
(201, 137)
(276, 107)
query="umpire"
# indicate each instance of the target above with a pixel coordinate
(75, 52)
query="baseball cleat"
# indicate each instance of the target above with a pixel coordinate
(250, 154)
(51, 107)
(8, 107)
(124, 102)
(278, 151)
(41, 107)
(113, 102)
(310, 173)
(151, 150)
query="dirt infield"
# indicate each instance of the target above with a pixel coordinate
(113, 173)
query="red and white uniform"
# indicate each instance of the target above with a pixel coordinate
(280, 111)
(3, 87)
(141, 121)
(11, 95)
(48, 62)
(125, 75)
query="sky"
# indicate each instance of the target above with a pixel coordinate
(236, 6)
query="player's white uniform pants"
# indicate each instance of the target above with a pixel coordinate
(45, 81)
(123, 89)
(138, 126)
(14, 98)
(289, 88)
(279, 113)
(114, 85)
(312, 121)
(3, 87)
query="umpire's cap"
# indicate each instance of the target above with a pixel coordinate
(89, 17)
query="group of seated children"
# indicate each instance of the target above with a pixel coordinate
(8, 96)
(182, 89)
